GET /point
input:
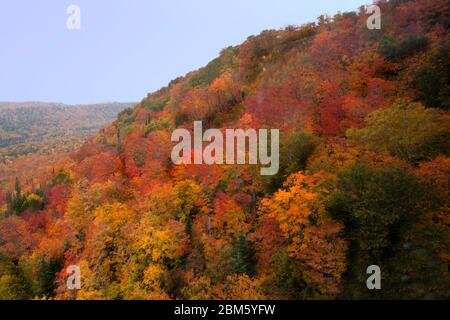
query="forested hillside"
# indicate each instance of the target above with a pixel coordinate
(44, 128)
(363, 179)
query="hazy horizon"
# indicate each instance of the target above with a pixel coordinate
(69, 104)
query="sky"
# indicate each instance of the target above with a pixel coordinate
(128, 48)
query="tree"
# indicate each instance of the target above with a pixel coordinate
(48, 270)
(15, 237)
(240, 287)
(313, 238)
(294, 153)
(391, 50)
(14, 284)
(406, 130)
(199, 288)
(433, 81)
(243, 257)
(229, 217)
(224, 91)
(380, 209)
(108, 246)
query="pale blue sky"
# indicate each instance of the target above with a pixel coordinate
(128, 48)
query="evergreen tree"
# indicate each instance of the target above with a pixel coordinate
(46, 277)
(243, 257)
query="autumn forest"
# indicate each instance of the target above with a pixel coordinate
(363, 177)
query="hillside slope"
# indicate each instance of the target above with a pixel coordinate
(363, 178)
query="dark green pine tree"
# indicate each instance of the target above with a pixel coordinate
(47, 276)
(243, 257)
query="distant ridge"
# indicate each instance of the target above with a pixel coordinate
(48, 127)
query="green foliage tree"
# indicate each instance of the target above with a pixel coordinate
(226, 59)
(286, 278)
(155, 105)
(14, 284)
(387, 47)
(61, 178)
(243, 257)
(154, 125)
(432, 81)
(47, 275)
(294, 153)
(379, 209)
(18, 201)
(406, 130)
(390, 49)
